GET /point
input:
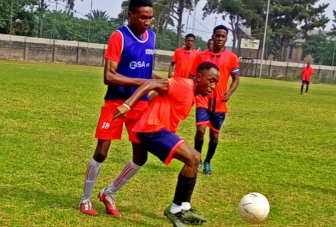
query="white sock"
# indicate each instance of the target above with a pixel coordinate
(130, 169)
(174, 208)
(186, 206)
(90, 179)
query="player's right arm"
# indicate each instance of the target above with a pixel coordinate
(171, 69)
(158, 85)
(113, 78)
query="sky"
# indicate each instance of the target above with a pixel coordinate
(202, 28)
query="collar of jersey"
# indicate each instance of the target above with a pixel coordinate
(139, 40)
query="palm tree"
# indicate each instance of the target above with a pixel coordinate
(98, 15)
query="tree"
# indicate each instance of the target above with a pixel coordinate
(290, 19)
(98, 15)
(315, 45)
(19, 17)
(287, 19)
(239, 12)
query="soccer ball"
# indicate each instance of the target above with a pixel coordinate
(254, 207)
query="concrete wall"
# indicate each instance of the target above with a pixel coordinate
(286, 70)
(72, 52)
(22, 48)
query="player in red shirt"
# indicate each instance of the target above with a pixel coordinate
(129, 63)
(183, 58)
(156, 132)
(211, 110)
(307, 72)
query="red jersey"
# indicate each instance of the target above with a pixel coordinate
(184, 60)
(228, 64)
(169, 110)
(307, 73)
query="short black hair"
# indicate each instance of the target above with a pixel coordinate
(134, 4)
(190, 35)
(221, 27)
(209, 40)
(207, 66)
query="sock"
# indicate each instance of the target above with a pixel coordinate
(191, 187)
(186, 206)
(90, 179)
(301, 89)
(182, 189)
(126, 174)
(211, 151)
(307, 88)
(174, 208)
(199, 145)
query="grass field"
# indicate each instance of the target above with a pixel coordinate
(274, 141)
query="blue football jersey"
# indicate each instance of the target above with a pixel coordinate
(137, 59)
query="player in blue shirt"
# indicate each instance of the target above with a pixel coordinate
(129, 63)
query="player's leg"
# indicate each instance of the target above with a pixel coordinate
(216, 121)
(91, 176)
(106, 131)
(302, 85)
(129, 170)
(202, 120)
(107, 195)
(186, 184)
(307, 86)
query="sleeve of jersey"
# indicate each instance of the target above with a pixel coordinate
(235, 66)
(115, 46)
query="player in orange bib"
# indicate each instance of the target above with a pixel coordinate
(307, 72)
(156, 132)
(183, 58)
(211, 110)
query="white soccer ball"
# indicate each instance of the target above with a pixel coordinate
(254, 207)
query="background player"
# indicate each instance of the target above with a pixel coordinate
(129, 63)
(156, 131)
(210, 44)
(211, 110)
(307, 72)
(183, 58)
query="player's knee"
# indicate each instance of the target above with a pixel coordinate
(200, 134)
(194, 159)
(140, 160)
(100, 156)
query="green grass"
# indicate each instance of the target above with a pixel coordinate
(274, 141)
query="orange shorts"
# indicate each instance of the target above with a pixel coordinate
(112, 130)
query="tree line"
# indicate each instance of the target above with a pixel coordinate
(289, 21)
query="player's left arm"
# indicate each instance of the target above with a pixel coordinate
(233, 87)
(158, 85)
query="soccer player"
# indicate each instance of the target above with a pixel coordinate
(307, 72)
(156, 131)
(129, 63)
(210, 44)
(211, 110)
(183, 58)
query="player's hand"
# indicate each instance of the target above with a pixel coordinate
(120, 112)
(227, 96)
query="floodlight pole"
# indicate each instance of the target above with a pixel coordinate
(88, 40)
(333, 54)
(193, 29)
(265, 31)
(11, 18)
